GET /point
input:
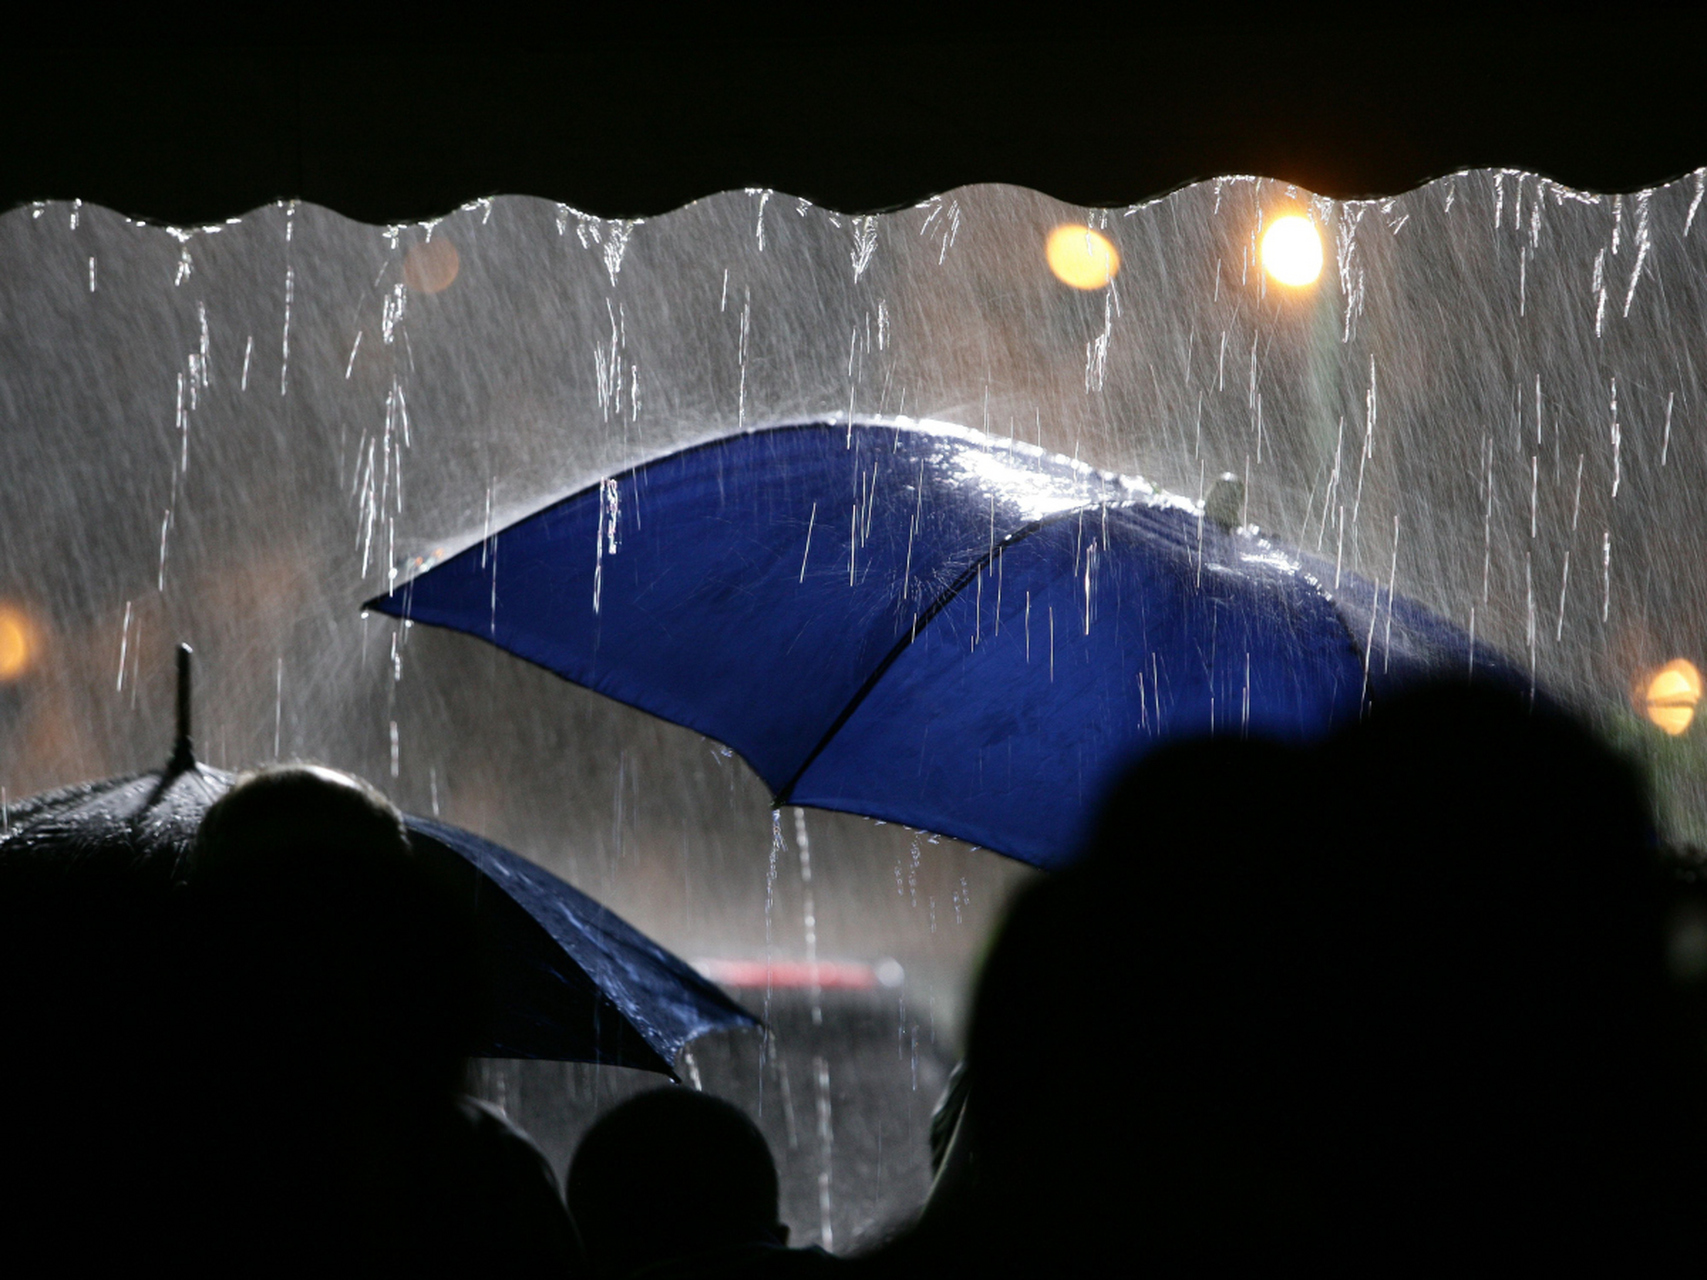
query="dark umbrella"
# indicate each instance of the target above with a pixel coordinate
(570, 980)
(919, 623)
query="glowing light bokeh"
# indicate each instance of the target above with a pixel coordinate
(17, 643)
(1672, 695)
(431, 266)
(1292, 250)
(1080, 257)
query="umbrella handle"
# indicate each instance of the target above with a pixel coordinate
(183, 752)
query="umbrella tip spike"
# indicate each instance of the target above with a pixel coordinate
(1225, 503)
(183, 752)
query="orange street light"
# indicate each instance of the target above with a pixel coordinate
(19, 643)
(1080, 257)
(429, 267)
(1672, 695)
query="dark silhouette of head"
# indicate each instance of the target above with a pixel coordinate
(1519, 1070)
(1400, 995)
(327, 933)
(337, 1000)
(1128, 1048)
(668, 1174)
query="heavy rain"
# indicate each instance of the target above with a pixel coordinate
(1483, 395)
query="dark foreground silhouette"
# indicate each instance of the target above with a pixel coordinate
(677, 1184)
(344, 985)
(1396, 1003)
(255, 1069)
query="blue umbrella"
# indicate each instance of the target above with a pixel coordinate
(919, 623)
(570, 980)
(573, 981)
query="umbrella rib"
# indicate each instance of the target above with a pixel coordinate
(785, 793)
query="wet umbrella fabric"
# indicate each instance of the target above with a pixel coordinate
(920, 623)
(570, 980)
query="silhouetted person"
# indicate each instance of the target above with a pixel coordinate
(1135, 1087)
(677, 1183)
(340, 994)
(1395, 1002)
(1522, 1085)
(95, 1033)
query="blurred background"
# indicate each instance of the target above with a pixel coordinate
(228, 415)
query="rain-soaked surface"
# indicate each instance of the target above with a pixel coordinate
(1490, 401)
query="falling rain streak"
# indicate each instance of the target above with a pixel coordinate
(1460, 343)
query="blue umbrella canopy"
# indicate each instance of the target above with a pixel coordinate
(574, 981)
(570, 980)
(920, 623)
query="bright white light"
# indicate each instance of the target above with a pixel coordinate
(1292, 251)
